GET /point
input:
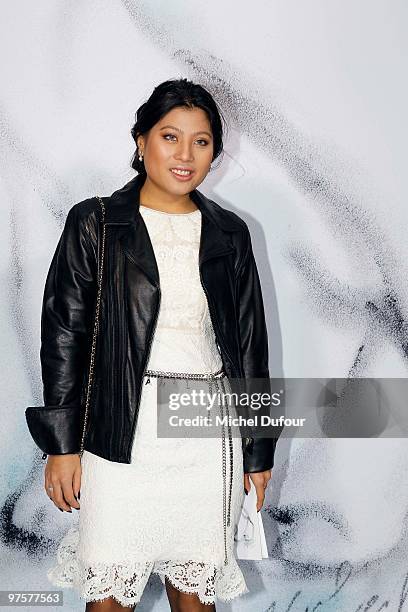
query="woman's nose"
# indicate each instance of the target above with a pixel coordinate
(185, 153)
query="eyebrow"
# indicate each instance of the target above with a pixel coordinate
(178, 130)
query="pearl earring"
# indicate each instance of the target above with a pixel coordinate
(140, 156)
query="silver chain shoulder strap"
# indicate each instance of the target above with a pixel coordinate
(96, 327)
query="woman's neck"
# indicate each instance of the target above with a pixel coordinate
(152, 196)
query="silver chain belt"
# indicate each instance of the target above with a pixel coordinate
(216, 378)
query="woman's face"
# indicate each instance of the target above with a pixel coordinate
(182, 138)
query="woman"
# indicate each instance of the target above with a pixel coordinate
(180, 297)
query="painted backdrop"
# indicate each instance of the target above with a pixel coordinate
(314, 162)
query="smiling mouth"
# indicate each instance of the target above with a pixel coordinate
(184, 173)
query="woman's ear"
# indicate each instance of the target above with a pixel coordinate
(140, 142)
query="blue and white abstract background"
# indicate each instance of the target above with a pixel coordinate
(315, 162)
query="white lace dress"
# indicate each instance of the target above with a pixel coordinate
(163, 512)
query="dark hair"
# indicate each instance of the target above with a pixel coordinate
(171, 94)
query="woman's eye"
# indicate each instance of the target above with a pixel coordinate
(173, 136)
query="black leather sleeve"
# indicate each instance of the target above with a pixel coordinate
(259, 453)
(66, 320)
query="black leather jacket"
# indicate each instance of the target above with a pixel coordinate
(129, 307)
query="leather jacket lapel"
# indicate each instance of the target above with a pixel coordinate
(137, 246)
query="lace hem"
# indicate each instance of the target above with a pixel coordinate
(126, 582)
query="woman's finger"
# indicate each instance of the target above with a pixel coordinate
(59, 499)
(48, 488)
(260, 499)
(260, 495)
(68, 494)
(77, 483)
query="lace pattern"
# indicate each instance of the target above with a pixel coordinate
(125, 582)
(184, 320)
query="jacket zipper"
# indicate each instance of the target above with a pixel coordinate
(119, 347)
(116, 347)
(149, 348)
(248, 440)
(215, 326)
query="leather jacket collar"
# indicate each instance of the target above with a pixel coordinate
(135, 239)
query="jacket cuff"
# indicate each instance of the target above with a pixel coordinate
(259, 455)
(55, 429)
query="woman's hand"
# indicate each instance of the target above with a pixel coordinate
(63, 474)
(260, 480)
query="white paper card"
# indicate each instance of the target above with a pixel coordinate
(249, 537)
